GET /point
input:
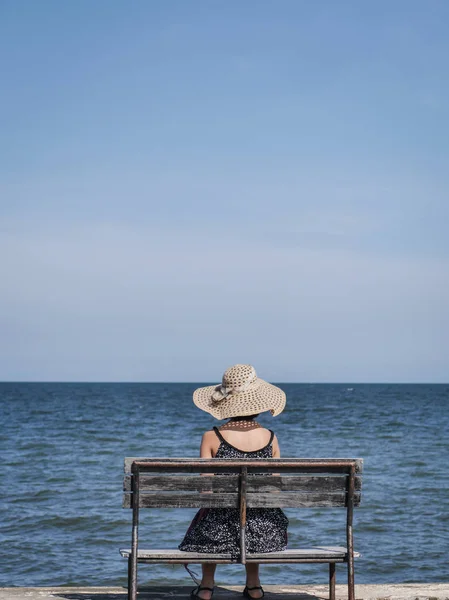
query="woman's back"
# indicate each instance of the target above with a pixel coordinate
(242, 438)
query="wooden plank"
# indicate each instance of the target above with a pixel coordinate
(190, 483)
(320, 552)
(291, 483)
(178, 557)
(253, 468)
(256, 483)
(299, 500)
(305, 470)
(184, 500)
(254, 500)
(232, 465)
(315, 552)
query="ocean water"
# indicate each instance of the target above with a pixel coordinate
(62, 448)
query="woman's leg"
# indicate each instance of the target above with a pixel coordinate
(252, 579)
(207, 580)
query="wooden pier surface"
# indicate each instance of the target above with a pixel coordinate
(410, 591)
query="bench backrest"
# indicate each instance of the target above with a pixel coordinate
(283, 483)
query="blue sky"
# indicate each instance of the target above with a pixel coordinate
(188, 185)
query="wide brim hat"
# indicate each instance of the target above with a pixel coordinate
(240, 394)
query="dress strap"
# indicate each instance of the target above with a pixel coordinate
(271, 437)
(219, 436)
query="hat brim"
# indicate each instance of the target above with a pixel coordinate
(263, 397)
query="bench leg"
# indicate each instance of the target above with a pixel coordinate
(129, 577)
(132, 578)
(331, 581)
(351, 592)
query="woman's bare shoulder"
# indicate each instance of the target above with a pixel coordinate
(209, 435)
(208, 444)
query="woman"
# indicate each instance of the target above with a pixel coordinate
(240, 398)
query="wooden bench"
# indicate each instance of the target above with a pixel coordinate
(242, 483)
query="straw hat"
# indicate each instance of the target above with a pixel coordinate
(241, 393)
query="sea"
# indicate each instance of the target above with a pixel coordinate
(62, 447)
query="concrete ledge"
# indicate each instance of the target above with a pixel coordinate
(411, 591)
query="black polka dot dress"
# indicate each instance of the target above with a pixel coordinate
(217, 530)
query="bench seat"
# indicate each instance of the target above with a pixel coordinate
(325, 553)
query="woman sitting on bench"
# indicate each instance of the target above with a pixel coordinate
(241, 397)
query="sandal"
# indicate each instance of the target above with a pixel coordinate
(194, 593)
(247, 590)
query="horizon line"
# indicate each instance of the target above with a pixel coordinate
(214, 383)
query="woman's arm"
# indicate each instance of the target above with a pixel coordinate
(276, 452)
(207, 451)
(276, 449)
(206, 448)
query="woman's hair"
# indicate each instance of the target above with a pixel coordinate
(245, 418)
